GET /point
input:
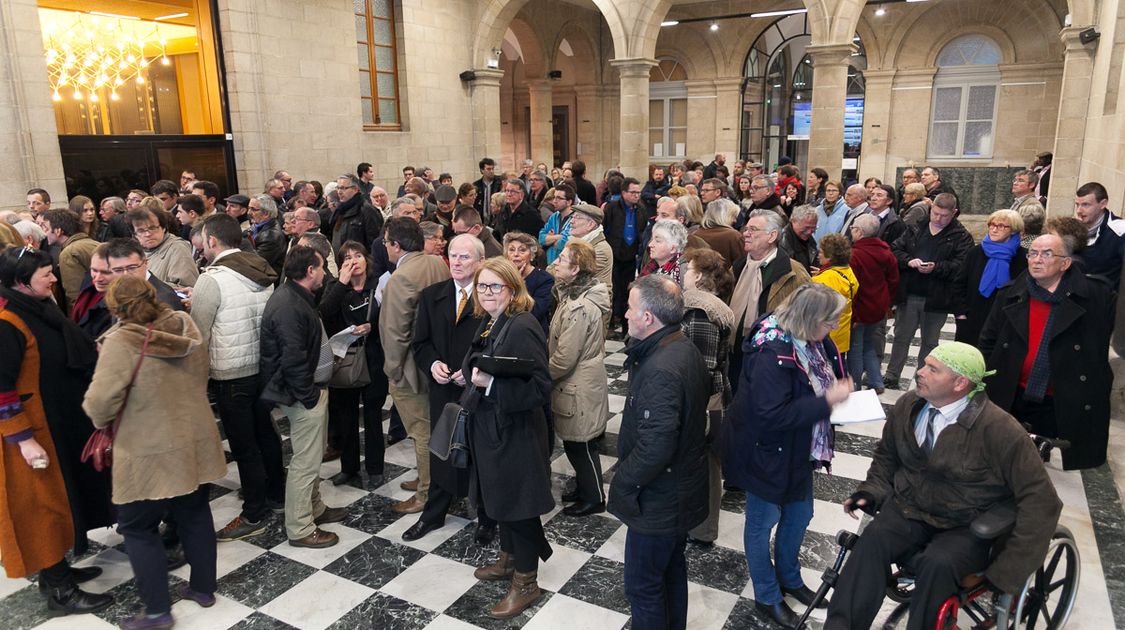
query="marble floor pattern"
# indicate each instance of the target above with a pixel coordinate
(372, 579)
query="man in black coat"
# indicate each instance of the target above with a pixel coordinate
(930, 257)
(517, 215)
(624, 226)
(1048, 340)
(265, 232)
(444, 330)
(486, 186)
(294, 374)
(659, 489)
(355, 219)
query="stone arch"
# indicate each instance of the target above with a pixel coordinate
(646, 29)
(496, 15)
(845, 21)
(740, 47)
(691, 68)
(997, 35)
(531, 45)
(582, 43)
(699, 60)
(871, 45)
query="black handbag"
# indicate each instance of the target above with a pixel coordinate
(449, 439)
(351, 371)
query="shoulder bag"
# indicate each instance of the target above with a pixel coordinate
(449, 439)
(99, 448)
(350, 371)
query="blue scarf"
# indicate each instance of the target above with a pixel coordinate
(997, 270)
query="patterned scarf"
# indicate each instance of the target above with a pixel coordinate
(670, 268)
(812, 358)
(1041, 370)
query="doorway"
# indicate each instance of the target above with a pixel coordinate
(560, 134)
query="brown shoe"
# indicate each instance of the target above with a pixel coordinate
(412, 486)
(331, 454)
(409, 506)
(319, 539)
(500, 570)
(523, 593)
(331, 515)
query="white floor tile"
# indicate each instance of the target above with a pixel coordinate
(430, 541)
(443, 622)
(116, 570)
(616, 403)
(614, 546)
(562, 566)
(829, 518)
(708, 608)
(224, 614)
(433, 582)
(231, 555)
(318, 601)
(572, 614)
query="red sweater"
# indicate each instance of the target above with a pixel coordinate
(1036, 322)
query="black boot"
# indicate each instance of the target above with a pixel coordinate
(780, 613)
(78, 574)
(71, 600)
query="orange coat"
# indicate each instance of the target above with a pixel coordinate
(35, 523)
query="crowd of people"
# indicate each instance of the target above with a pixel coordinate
(752, 304)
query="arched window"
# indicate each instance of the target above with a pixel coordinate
(667, 110)
(963, 114)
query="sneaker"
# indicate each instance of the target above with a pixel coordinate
(183, 589)
(240, 528)
(144, 622)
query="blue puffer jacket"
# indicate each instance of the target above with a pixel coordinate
(769, 424)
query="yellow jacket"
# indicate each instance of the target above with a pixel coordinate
(842, 281)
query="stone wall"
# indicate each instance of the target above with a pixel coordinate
(1103, 152)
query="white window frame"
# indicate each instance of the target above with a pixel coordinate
(965, 77)
(666, 91)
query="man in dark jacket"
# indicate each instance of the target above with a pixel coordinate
(1103, 251)
(947, 455)
(797, 239)
(930, 258)
(880, 203)
(516, 215)
(659, 489)
(762, 197)
(355, 218)
(295, 365)
(624, 225)
(265, 233)
(1048, 339)
(486, 186)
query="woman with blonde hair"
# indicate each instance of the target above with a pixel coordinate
(166, 448)
(580, 398)
(511, 471)
(987, 267)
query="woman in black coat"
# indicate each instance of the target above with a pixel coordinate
(778, 431)
(988, 266)
(351, 302)
(511, 472)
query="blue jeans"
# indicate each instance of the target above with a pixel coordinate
(864, 356)
(656, 581)
(791, 520)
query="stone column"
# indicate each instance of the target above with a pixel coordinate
(702, 119)
(728, 112)
(485, 97)
(539, 94)
(830, 88)
(588, 123)
(877, 125)
(1070, 134)
(634, 74)
(29, 140)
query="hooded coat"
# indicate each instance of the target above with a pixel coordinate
(165, 446)
(576, 350)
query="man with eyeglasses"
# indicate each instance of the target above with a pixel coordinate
(355, 219)
(1023, 190)
(537, 192)
(1048, 340)
(762, 197)
(930, 257)
(556, 231)
(624, 225)
(113, 259)
(265, 233)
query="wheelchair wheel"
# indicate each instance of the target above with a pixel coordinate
(900, 586)
(1048, 596)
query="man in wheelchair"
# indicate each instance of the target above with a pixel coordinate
(947, 454)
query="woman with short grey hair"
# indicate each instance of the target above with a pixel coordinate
(717, 232)
(667, 245)
(778, 432)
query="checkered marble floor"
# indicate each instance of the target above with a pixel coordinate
(372, 579)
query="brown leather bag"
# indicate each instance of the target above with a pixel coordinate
(99, 448)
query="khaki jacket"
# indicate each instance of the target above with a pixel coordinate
(166, 446)
(414, 272)
(74, 264)
(576, 360)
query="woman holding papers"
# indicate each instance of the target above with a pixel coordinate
(511, 473)
(779, 431)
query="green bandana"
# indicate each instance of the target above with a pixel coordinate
(964, 360)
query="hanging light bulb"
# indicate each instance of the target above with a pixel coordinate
(140, 80)
(56, 96)
(77, 94)
(94, 97)
(164, 61)
(113, 96)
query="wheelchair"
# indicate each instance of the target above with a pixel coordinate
(1044, 603)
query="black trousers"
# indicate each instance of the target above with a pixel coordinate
(254, 444)
(583, 456)
(1040, 415)
(526, 542)
(438, 503)
(56, 576)
(940, 559)
(138, 523)
(623, 273)
(343, 413)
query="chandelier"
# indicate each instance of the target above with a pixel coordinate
(95, 53)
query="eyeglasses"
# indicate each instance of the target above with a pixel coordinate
(632, 192)
(1045, 254)
(512, 191)
(146, 230)
(490, 288)
(755, 230)
(1000, 225)
(703, 190)
(126, 268)
(759, 187)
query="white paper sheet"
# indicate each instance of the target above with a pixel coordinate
(861, 406)
(383, 279)
(341, 341)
